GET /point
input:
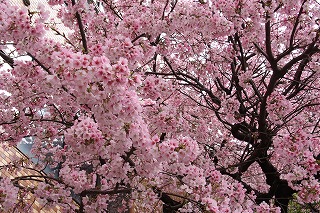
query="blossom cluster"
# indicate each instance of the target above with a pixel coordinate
(8, 194)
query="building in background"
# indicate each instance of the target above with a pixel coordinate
(13, 156)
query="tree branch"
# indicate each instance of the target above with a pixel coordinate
(81, 28)
(105, 192)
(7, 58)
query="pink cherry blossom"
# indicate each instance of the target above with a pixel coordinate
(187, 106)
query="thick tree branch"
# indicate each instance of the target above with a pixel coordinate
(6, 58)
(297, 76)
(81, 28)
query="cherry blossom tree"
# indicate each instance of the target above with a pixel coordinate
(170, 105)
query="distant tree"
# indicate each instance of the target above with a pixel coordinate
(181, 105)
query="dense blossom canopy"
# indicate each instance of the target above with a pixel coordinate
(171, 105)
